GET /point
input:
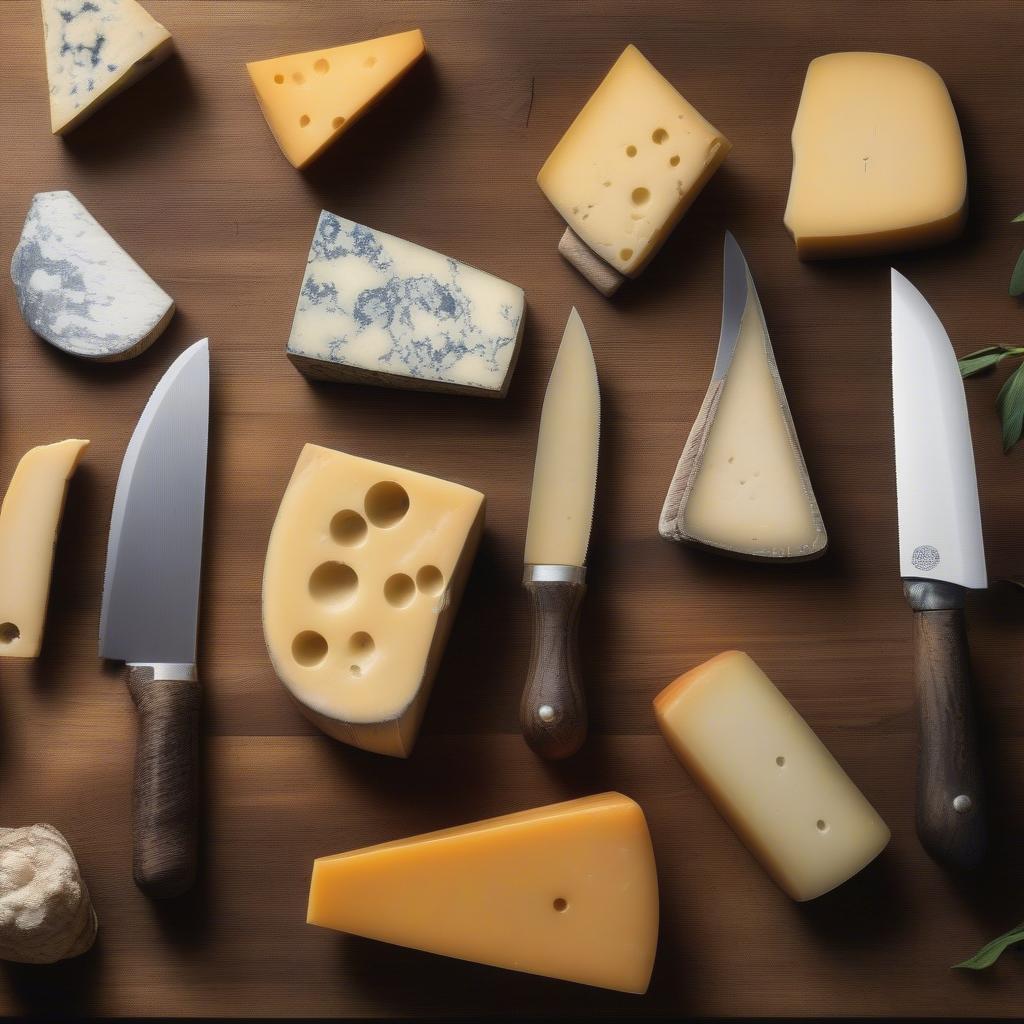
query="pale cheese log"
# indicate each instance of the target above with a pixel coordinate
(376, 309)
(365, 570)
(94, 50)
(770, 776)
(29, 522)
(878, 159)
(630, 165)
(78, 289)
(310, 99)
(567, 891)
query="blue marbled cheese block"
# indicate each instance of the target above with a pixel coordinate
(380, 310)
(94, 49)
(78, 288)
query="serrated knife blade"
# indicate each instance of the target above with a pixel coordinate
(150, 612)
(942, 554)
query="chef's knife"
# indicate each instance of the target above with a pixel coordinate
(941, 555)
(553, 710)
(150, 613)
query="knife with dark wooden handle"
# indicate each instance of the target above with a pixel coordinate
(942, 556)
(150, 616)
(553, 710)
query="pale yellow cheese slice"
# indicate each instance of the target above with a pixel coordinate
(29, 521)
(770, 776)
(365, 569)
(568, 891)
(309, 99)
(631, 164)
(878, 160)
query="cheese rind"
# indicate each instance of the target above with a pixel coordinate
(310, 99)
(364, 573)
(94, 50)
(878, 159)
(769, 775)
(567, 891)
(78, 289)
(631, 163)
(29, 522)
(377, 309)
(741, 485)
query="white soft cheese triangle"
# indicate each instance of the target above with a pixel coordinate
(78, 289)
(94, 50)
(741, 485)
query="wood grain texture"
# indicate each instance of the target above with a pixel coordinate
(182, 171)
(553, 709)
(165, 793)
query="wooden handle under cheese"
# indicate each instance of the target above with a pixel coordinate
(165, 799)
(553, 711)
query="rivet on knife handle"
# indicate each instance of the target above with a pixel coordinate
(951, 806)
(165, 797)
(553, 711)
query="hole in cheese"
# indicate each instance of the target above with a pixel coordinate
(429, 580)
(309, 648)
(321, 67)
(821, 825)
(337, 122)
(298, 77)
(9, 632)
(348, 528)
(780, 761)
(560, 905)
(304, 121)
(631, 151)
(369, 62)
(399, 590)
(673, 161)
(625, 254)
(361, 643)
(333, 584)
(658, 136)
(386, 504)
(279, 79)
(640, 196)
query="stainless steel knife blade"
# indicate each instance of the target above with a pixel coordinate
(154, 555)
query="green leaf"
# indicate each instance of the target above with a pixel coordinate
(1010, 403)
(1017, 278)
(986, 359)
(988, 955)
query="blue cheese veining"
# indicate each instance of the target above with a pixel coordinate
(380, 310)
(78, 289)
(94, 49)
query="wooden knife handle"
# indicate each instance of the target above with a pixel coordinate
(553, 711)
(951, 806)
(165, 797)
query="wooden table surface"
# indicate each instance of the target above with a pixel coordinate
(182, 170)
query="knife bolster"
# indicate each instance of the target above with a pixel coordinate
(554, 574)
(933, 595)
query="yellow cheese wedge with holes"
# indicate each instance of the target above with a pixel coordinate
(365, 569)
(568, 891)
(309, 99)
(29, 521)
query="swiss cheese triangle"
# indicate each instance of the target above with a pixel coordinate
(568, 891)
(94, 50)
(309, 99)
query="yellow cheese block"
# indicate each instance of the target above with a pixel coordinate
(568, 891)
(631, 164)
(29, 521)
(878, 161)
(309, 99)
(773, 780)
(365, 569)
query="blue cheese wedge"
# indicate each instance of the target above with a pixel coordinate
(376, 309)
(78, 289)
(94, 50)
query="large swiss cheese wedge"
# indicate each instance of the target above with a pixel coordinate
(741, 485)
(310, 99)
(376, 309)
(569, 891)
(770, 776)
(631, 164)
(878, 160)
(365, 569)
(94, 50)
(29, 521)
